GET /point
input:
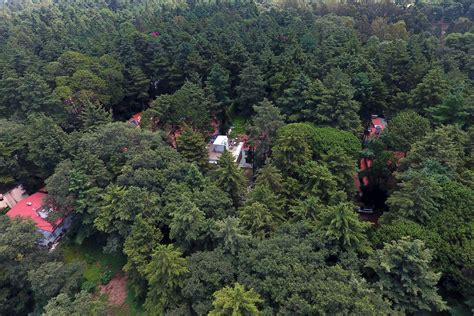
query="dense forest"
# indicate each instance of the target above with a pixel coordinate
(301, 80)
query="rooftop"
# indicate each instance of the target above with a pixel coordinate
(234, 146)
(34, 207)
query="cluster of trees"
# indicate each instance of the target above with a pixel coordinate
(203, 238)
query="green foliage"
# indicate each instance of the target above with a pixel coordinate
(405, 276)
(82, 303)
(193, 148)
(165, 275)
(88, 286)
(292, 235)
(416, 199)
(209, 271)
(18, 255)
(106, 277)
(250, 91)
(187, 105)
(235, 301)
(406, 128)
(93, 115)
(341, 223)
(263, 126)
(229, 177)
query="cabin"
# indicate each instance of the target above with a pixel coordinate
(221, 143)
(34, 207)
(136, 119)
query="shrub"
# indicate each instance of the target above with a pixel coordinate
(88, 286)
(106, 277)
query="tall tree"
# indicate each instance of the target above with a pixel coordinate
(263, 126)
(193, 148)
(455, 109)
(18, 254)
(236, 301)
(338, 108)
(293, 147)
(187, 224)
(230, 178)
(416, 199)
(431, 91)
(218, 85)
(165, 275)
(93, 115)
(250, 90)
(405, 276)
(82, 303)
(406, 128)
(230, 233)
(294, 100)
(46, 144)
(342, 223)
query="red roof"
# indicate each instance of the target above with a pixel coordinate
(136, 119)
(377, 122)
(29, 207)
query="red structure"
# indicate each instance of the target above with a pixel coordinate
(375, 128)
(136, 119)
(32, 207)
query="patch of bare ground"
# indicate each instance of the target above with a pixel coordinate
(116, 290)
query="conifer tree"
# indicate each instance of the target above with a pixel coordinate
(405, 276)
(193, 148)
(250, 90)
(94, 115)
(165, 275)
(230, 178)
(236, 301)
(341, 222)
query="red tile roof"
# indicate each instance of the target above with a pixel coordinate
(28, 207)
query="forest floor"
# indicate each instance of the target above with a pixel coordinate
(96, 262)
(116, 290)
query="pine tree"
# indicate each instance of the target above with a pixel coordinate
(338, 108)
(193, 148)
(455, 109)
(250, 90)
(218, 85)
(405, 276)
(431, 91)
(264, 124)
(342, 223)
(294, 98)
(230, 178)
(165, 275)
(93, 115)
(230, 234)
(236, 301)
(417, 198)
(187, 224)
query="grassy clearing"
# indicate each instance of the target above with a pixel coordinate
(239, 126)
(96, 262)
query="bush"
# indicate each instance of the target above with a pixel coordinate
(106, 277)
(88, 286)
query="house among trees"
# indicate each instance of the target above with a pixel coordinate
(35, 208)
(221, 143)
(136, 119)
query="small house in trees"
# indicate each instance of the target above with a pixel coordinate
(136, 119)
(376, 126)
(219, 144)
(35, 208)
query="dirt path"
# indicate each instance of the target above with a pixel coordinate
(116, 290)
